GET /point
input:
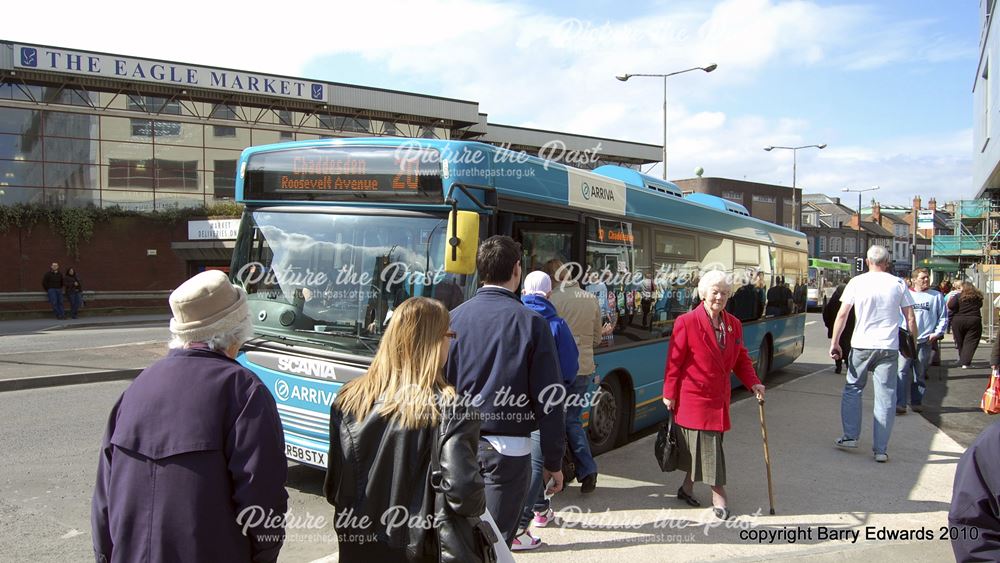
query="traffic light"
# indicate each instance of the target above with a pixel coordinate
(859, 264)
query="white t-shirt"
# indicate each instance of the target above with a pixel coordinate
(877, 298)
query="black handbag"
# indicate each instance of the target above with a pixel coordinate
(669, 442)
(907, 346)
(459, 538)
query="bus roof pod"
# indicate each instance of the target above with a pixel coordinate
(635, 178)
(719, 203)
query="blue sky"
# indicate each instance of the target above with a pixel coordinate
(887, 85)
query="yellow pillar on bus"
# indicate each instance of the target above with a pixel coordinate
(467, 228)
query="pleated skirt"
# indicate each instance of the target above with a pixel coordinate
(702, 456)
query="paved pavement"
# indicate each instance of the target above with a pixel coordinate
(822, 495)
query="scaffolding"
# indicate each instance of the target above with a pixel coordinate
(975, 245)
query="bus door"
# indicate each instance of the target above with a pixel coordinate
(541, 242)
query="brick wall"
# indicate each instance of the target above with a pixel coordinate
(114, 259)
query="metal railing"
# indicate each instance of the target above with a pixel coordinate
(89, 296)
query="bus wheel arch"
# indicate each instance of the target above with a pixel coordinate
(611, 412)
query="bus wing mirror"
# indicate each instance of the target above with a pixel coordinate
(463, 242)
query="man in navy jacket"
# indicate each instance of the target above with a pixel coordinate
(974, 513)
(504, 356)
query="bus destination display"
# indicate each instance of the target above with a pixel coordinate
(342, 173)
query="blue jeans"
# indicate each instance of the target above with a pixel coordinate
(884, 365)
(911, 384)
(56, 300)
(75, 301)
(535, 501)
(576, 436)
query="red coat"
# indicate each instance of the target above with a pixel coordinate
(697, 375)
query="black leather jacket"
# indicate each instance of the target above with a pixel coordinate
(378, 480)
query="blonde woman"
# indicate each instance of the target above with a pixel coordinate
(383, 429)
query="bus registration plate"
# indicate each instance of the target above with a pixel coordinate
(305, 455)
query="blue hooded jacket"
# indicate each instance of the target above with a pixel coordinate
(565, 345)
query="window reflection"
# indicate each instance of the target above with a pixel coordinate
(131, 151)
(72, 198)
(177, 133)
(69, 96)
(20, 173)
(153, 104)
(131, 174)
(13, 196)
(59, 149)
(62, 124)
(228, 137)
(166, 200)
(130, 200)
(125, 129)
(177, 174)
(72, 176)
(16, 120)
(224, 179)
(20, 147)
(147, 128)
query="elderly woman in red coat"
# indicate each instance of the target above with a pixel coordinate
(705, 347)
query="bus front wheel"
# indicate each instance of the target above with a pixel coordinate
(606, 416)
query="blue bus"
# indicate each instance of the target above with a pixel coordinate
(337, 232)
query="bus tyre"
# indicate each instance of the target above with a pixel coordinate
(763, 359)
(606, 416)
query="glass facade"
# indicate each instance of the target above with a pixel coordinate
(68, 146)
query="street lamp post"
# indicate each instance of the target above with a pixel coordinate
(624, 77)
(857, 247)
(795, 150)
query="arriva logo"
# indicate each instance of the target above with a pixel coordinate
(284, 392)
(598, 192)
(281, 390)
(303, 366)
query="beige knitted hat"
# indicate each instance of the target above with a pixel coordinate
(207, 305)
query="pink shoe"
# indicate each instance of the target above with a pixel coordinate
(525, 541)
(542, 519)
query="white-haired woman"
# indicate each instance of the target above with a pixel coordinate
(193, 458)
(705, 347)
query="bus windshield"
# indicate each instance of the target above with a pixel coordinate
(334, 280)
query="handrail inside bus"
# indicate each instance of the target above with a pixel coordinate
(453, 241)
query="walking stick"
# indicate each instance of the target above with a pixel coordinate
(767, 455)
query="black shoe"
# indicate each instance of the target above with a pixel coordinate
(721, 513)
(690, 500)
(589, 483)
(917, 408)
(900, 410)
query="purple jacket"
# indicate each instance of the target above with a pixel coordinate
(190, 444)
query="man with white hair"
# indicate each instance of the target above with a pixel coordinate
(877, 298)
